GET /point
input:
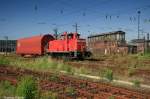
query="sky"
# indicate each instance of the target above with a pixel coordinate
(25, 18)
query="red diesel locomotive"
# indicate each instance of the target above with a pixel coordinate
(69, 45)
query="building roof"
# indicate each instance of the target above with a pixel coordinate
(108, 33)
(138, 40)
(8, 40)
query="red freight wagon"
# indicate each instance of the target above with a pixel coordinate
(35, 45)
(68, 45)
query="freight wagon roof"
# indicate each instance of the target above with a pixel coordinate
(109, 33)
(38, 37)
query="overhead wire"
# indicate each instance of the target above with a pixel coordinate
(117, 14)
(79, 10)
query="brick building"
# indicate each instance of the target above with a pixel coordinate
(108, 43)
(143, 45)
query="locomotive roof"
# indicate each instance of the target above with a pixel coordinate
(70, 34)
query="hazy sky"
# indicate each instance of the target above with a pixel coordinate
(23, 18)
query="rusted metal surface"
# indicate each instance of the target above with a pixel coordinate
(109, 43)
(83, 89)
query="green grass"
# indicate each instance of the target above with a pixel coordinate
(111, 97)
(6, 89)
(143, 56)
(49, 95)
(4, 61)
(27, 88)
(136, 83)
(54, 78)
(38, 63)
(70, 91)
(108, 74)
(130, 71)
(128, 62)
(42, 63)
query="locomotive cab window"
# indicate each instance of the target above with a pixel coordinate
(62, 37)
(78, 36)
(70, 36)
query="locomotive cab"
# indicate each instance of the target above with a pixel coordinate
(69, 44)
(66, 35)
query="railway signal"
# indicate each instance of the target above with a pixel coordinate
(139, 13)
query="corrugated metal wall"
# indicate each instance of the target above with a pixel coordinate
(8, 45)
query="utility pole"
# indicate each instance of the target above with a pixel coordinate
(139, 13)
(89, 31)
(146, 43)
(56, 33)
(76, 27)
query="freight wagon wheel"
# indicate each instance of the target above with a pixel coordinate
(22, 55)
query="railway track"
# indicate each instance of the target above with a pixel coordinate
(82, 89)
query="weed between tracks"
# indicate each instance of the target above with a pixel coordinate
(4, 61)
(43, 63)
(108, 74)
(47, 64)
(6, 89)
(136, 83)
(121, 67)
(26, 88)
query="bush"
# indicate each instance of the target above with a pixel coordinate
(43, 63)
(112, 97)
(53, 65)
(68, 69)
(27, 88)
(131, 71)
(108, 74)
(49, 95)
(54, 78)
(6, 89)
(70, 91)
(82, 70)
(136, 83)
(4, 61)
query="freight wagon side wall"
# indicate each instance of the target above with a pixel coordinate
(34, 45)
(29, 46)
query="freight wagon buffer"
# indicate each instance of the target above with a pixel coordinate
(70, 45)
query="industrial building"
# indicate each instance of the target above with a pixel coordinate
(7, 46)
(143, 45)
(108, 43)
